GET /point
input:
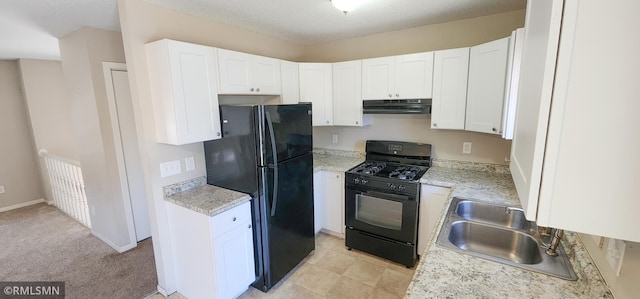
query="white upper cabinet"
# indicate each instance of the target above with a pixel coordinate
(184, 90)
(414, 76)
(486, 86)
(574, 157)
(290, 79)
(316, 88)
(450, 71)
(247, 74)
(347, 94)
(398, 77)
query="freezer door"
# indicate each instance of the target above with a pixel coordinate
(287, 217)
(286, 130)
(231, 161)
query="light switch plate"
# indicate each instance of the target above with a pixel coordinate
(466, 147)
(190, 163)
(170, 168)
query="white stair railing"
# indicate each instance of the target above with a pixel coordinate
(67, 187)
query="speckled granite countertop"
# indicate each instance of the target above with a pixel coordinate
(335, 160)
(197, 196)
(442, 273)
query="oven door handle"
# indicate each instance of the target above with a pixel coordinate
(388, 195)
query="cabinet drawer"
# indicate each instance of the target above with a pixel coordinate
(228, 220)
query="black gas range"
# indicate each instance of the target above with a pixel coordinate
(381, 199)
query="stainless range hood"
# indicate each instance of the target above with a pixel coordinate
(413, 106)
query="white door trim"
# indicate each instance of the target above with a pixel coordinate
(107, 68)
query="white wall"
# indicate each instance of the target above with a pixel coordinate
(49, 107)
(447, 144)
(83, 52)
(19, 173)
(625, 285)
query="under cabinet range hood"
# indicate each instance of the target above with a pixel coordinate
(414, 106)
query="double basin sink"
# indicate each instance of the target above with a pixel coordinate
(501, 234)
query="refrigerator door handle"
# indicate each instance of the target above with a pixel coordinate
(274, 154)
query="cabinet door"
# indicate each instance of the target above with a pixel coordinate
(514, 63)
(576, 194)
(184, 90)
(235, 69)
(265, 75)
(542, 22)
(432, 201)
(414, 76)
(318, 201)
(333, 202)
(316, 88)
(347, 93)
(378, 78)
(450, 71)
(290, 81)
(234, 262)
(485, 93)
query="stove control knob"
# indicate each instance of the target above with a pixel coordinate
(401, 187)
(393, 186)
(364, 181)
(356, 180)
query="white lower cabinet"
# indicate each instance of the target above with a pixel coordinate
(432, 201)
(329, 201)
(213, 256)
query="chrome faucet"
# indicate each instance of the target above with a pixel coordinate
(553, 245)
(509, 209)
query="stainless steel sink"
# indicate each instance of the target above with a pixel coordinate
(502, 234)
(493, 214)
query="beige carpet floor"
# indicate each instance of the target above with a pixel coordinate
(41, 243)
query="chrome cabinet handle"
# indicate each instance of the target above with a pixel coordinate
(435, 124)
(249, 226)
(234, 219)
(258, 89)
(218, 134)
(327, 121)
(251, 89)
(390, 95)
(494, 129)
(356, 122)
(397, 95)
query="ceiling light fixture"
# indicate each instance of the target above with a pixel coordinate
(346, 6)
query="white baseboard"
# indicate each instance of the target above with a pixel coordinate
(22, 205)
(162, 291)
(116, 247)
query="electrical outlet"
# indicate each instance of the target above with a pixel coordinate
(170, 168)
(615, 254)
(190, 163)
(1, 189)
(334, 138)
(466, 147)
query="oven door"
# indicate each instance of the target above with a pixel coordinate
(382, 213)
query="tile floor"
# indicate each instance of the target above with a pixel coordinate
(332, 271)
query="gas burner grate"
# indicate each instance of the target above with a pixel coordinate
(404, 173)
(370, 168)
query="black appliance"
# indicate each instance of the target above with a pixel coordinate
(412, 106)
(265, 151)
(382, 196)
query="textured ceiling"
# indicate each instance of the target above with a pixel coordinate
(316, 21)
(30, 28)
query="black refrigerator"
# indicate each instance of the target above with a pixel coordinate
(265, 151)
